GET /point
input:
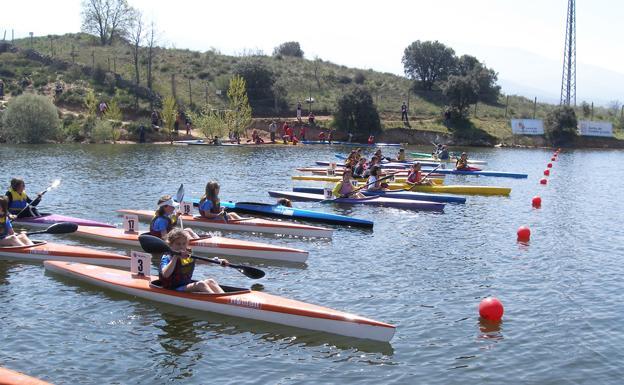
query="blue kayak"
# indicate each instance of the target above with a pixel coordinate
(440, 170)
(272, 210)
(340, 143)
(395, 194)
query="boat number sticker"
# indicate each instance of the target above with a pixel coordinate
(245, 303)
(288, 212)
(140, 263)
(186, 208)
(39, 251)
(328, 193)
(331, 171)
(354, 182)
(130, 223)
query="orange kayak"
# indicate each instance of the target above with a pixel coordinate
(212, 245)
(42, 251)
(10, 377)
(236, 302)
(247, 224)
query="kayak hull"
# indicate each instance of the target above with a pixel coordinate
(250, 225)
(336, 179)
(10, 377)
(42, 251)
(235, 302)
(351, 144)
(395, 194)
(453, 189)
(373, 201)
(278, 211)
(212, 246)
(46, 220)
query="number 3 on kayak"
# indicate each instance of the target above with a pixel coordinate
(140, 263)
(130, 223)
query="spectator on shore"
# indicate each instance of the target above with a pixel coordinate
(141, 134)
(103, 108)
(155, 119)
(299, 111)
(329, 136)
(350, 137)
(302, 133)
(188, 126)
(404, 113)
(311, 119)
(371, 139)
(1, 89)
(176, 123)
(322, 137)
(272, 130)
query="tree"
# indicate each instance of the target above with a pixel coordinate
(30, 119)
(106, 18)
(135, 33)
(238, 117)
(356, 112)
(151, 44)
(560, 125)
(90, 103)
(461, 92)
(169, 112)
(428, 62)
(290, 48)
(259, 80)
(208, 122)
(586, 108)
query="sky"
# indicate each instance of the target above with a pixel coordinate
(521, 39)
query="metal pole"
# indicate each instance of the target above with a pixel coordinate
(12, 35)
(115, 64)
(592, 111)
(93, 59)
(506, 106)
(108, 60)
(190, 93)
(534, 107)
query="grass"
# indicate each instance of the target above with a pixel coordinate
(207, 72)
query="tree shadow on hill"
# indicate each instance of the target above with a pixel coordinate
(433, 96)
(465, 132)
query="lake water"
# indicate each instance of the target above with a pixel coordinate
(425, 272)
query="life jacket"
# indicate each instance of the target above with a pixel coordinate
(4, 226)
(17, 201)
(215, 209)
(182, 274)
(171, 221)
(414, 177)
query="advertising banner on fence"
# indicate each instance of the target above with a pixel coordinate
(527, 126)
(589, 128)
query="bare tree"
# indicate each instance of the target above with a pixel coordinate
(317, 66)
(151, 45)
(106, 18)
(136, 37)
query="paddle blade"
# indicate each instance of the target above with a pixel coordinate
(249, 271)
(55, 184)
(153, 245)
(180, 194)
(62, 228)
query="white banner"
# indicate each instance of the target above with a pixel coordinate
(527, 126)
(589, 128)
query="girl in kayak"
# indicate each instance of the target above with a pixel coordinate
(18, 200)
(374, 182)
(165, 220)
(176, 271)
(415, 176)
(462, 164)
(344, 188)
(210, 205)
(7, 235)
(360, 168)
(401, 155)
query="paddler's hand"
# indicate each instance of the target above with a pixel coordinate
(224, 262)
(177, 214)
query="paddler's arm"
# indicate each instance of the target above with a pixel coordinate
(222, 261)
(167, 264)
(336, 190)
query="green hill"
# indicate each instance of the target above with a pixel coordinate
(198, 77)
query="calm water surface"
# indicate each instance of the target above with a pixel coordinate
(424, 272)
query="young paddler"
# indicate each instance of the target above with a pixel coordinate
(8, 237)
(344, 188)
(19, 201)
(210, 204)
(166, 218)
(415, 176)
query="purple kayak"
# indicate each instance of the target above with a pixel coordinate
(373, 200)
(45, 220)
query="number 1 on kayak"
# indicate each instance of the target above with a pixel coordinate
(130, 223)
(186, 208)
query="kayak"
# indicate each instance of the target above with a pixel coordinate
(499, 174)
(340, 171)
(10, 377)
(214, 245)
(279, 211)
(248, 224)
(46, 220)
(42, 251)
(235, 302)
(384, 165)
(336, 179)
(372, 200)
(341, 143)
(453, 189)
(395, 194)
(452, 159)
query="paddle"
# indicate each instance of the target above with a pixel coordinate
(423, 179)
(178, 198)
(363, 187)
(152, 244)
(57, 228)
(54, 185)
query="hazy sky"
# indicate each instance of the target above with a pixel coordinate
(521, 39)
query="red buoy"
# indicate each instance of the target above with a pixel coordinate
(549, 165)
(547, 172)
(537, 203)
(491, 309)
(543, 181)
(524, 234)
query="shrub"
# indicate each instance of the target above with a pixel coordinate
(290, 48)
(99, 75)
(30, 119)
(103, 132)
(359, 78)
(355, 112)
(560, 125)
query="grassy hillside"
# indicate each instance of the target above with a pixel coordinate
(210, 71)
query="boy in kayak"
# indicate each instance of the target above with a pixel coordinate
(210, 205)
(360, 168)
(164, 220)
(374, 182)
(176, 271)
(443, 153)
(18, 200)
(415, 176)
(344, 188)
(462, 163)
(7, 235)
(401, 155)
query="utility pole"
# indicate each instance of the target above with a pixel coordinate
(568, 78)
(115, 64)
(108, 60)
(93, 59)
(534, 107)
(506, 106)
(173, 87)
(31, 39)
(592, 112)
(190, 93)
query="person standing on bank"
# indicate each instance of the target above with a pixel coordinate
(273, 130)
(404, 113)
(299, 111)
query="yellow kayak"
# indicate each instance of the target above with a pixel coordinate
(456, 189)
(336, 179)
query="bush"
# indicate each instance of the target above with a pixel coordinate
(560, 125)
(355, 112)
(290, 48)
(30, 119)
(359, 78)
(99, 75)
(103, 132)
(73, 96)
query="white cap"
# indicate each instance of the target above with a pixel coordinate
(169, 202)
